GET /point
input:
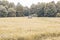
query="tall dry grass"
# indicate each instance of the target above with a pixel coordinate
(29, 29)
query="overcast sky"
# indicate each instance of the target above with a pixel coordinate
(29, 2)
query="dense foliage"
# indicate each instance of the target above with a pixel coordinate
(9, 9)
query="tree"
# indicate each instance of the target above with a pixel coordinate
(40, 9)
(50, 9)
(11, 5)
(58, 7)
(9, 9)
(4, 3)
(26, 11)
(11, 12)
(19, 10)
(37, 10)
(3, 11)
(32, 9)
(58, 15)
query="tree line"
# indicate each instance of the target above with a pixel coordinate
(9, 9)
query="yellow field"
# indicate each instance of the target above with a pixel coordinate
(22, 28)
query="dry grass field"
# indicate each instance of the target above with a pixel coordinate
(22, 28)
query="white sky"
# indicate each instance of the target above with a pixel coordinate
(30, 2)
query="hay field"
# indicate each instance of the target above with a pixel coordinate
(22, 28)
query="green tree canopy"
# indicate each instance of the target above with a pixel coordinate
(50, 9)
(11, 12)
(3, 11)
